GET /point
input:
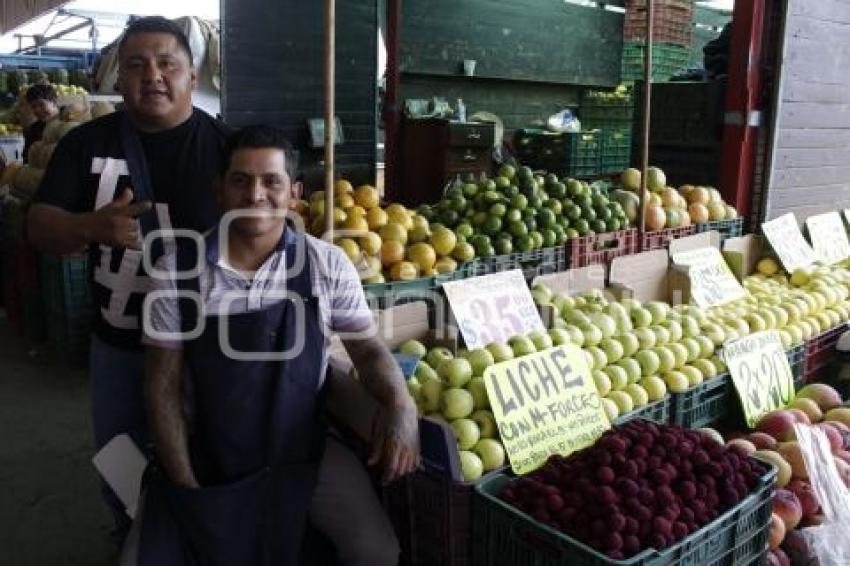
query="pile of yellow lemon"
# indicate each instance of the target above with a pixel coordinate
(388, 243)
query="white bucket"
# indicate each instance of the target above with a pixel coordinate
(12, 148)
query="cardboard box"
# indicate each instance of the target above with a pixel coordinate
(743, 253)
(640, 276)
(405, 322)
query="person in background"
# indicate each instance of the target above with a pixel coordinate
(110, 182)
(44, 104)
(239, 475)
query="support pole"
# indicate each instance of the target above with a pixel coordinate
(330, 124)
(391, 114)
(647, 106)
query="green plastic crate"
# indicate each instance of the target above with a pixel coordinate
(512, 538)
(532, 263)
(565, 154)
(386, 295)
(667, 60)
(68, 306)
(616, 151)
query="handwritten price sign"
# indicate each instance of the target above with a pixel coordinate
(787, 241)
(828, 236)
(545, 403)
(761, 374)
(712, 282)
(493, 308)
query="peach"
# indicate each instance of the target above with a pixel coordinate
(809, 407)
(808, 500)
(777, 531)
(762, 441)
(839, 414)
(745, 445)
(796, 546)
(836, 442)
(787, 506)
(779, 557)
(792, 454)
(825, 396)
(800, 416)
(778, 424)
(783, 475)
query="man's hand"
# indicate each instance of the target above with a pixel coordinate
(115, 224)
(395, 440)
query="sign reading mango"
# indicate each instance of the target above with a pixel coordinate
(788, 242)
(712, 282)
(761, 374)
(545, 403)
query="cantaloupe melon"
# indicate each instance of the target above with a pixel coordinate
(716, 210)
(655, 218)
(630, 179)
(674, 220)
(669, 197)
(714, 195)
(699, 195)
(731, 213)
(698, 212)
(656, 180)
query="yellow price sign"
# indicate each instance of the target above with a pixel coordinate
(761, 374)
(545, 403)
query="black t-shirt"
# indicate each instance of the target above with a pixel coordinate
(88, 170)
(32, 135)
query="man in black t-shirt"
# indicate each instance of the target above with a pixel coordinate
(112, 181)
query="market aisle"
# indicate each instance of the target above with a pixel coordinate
(49, 505)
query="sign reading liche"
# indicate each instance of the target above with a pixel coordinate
(545, 403)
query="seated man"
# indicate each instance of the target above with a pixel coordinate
(239, 478)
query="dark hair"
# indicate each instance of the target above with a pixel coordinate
(261, 137)
(41, 92)
(156, 24)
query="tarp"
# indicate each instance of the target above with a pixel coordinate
(16, 13)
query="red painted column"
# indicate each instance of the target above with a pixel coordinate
(740, 133)
(391, 111)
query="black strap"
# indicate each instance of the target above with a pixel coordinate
(134, 155)
(186, 259)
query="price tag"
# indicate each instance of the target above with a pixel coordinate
(545, 403)
(493, 308)
(712, 282)
(761, 374)
(828, 236)
(787, 241)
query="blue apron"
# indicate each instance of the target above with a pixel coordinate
(256, 444)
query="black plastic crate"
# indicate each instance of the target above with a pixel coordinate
(657, 411)
(511, 538)
(705, 404)
(532, 263)
(731, 228)
(796, 359)
(68, 306)
(565, 154)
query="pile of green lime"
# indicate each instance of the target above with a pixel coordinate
(520, 211)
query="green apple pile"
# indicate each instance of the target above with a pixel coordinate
(518, 211)
(637, 351)
(451, 389)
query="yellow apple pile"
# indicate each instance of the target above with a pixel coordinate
(388, 243)
(637, 351)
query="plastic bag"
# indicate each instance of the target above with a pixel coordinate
(829, 540)
(564, 121)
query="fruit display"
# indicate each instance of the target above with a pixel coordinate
(10, 129)
(518, 211)
(637, 351)
(451, 389)
(642, 485)
(795, 503)
(388, 243)
(668, 207)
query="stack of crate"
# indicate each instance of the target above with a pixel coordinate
(612, 113)
(671, 38)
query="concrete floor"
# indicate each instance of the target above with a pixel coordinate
(50, 508)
